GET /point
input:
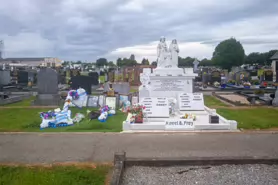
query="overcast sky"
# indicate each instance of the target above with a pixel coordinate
(89, 29)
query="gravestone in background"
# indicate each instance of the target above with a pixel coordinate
(22, 77)
(121, 88)
(84, 82)
(215, 77)
(275, 100)
(111, 76)
(268, 76)
(5, 77)
(47, 88)
(95, 77)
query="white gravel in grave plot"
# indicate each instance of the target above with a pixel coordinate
(202, 175)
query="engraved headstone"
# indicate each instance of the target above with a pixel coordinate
(47, 81)
(191, 101)
(5, 77)
(47, 88)
(156, 107)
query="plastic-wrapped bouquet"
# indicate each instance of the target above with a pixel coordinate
(74, 94)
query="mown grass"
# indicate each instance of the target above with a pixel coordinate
(56, 175)
(211, 101)
(253, 118)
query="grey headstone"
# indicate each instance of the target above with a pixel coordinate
(5, 77)
(47, 88)
(275, 100)
(47, 81)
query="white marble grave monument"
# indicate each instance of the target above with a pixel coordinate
(168, 95)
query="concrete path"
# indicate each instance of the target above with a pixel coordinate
(100, 147)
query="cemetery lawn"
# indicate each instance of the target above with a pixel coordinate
(58, 175)
(28, 120)
(253, 118)
(211, 101)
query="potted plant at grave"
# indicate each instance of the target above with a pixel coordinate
(137, 112)
(259, 92)
(231, 82)
(255, 82)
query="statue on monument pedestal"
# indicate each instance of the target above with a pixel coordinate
(174, 50)
(167, 58)
(162, 52)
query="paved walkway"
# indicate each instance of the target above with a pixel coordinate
(100, 147)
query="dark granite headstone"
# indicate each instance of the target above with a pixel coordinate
(95, 77)
(215, 76)
(268, 76)
(84, 82)
(47, 87)
(22, 77)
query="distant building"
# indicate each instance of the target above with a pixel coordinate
(33, 62)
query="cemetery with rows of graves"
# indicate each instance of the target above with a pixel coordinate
(162, 97)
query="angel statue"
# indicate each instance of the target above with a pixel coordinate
(174, 51)
(162, 52)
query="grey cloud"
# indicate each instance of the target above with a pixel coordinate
(109, 29)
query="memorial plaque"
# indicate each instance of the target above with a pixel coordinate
(122, 99)
(134, 100)
(169, 84)
(111, 102)
(101, 100)
(156, 107)
(92, 101)
(180, 124)
(191, 101)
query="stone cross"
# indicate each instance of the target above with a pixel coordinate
(196, 63)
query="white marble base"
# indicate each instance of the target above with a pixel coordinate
(201, 123)
(168, 71)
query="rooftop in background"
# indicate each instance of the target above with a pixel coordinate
(275, 56)
(33, 61)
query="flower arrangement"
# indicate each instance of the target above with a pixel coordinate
(48, 115)
(74, 94)
(137, 112)
(216, 84)
(255, 82)
(189, 116)
(103, 109)
(232, 82)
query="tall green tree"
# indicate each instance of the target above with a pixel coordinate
(154, 63)
(228, 53)
(101, 62)
(145, 62)
(205, 62)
